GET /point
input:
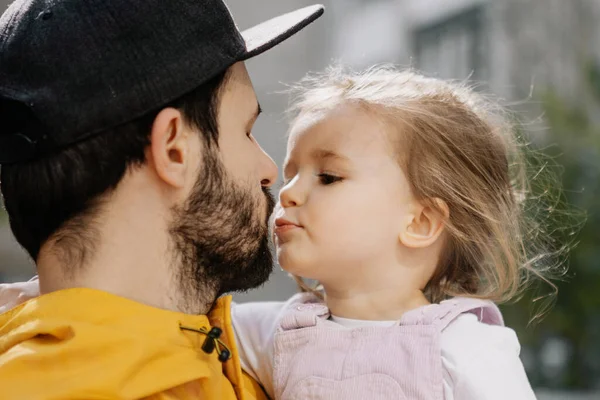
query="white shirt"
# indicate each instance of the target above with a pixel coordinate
(479, 361)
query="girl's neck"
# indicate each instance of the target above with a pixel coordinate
(376, 305)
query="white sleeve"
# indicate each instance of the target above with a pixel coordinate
(481, 362)
(255, 325)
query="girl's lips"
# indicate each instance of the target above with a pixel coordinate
(283, 222)
(281, 229)
(284, 226)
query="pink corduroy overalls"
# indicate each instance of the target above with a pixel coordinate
(316, 358)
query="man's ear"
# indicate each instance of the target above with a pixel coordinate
(426, 224)
(170, 147)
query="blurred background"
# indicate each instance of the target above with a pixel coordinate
(542, 56)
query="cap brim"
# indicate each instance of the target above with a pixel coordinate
(262, 37)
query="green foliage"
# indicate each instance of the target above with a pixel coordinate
(574, 132)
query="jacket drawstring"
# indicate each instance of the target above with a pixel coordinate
(212, 341)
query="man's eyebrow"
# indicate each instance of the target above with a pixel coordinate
(255, 116)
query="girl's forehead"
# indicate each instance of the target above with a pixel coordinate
(347, 130)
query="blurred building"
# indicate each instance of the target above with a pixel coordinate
(510, 44)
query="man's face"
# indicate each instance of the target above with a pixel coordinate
(243, 158)
(221, 234)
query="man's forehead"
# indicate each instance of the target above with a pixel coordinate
(238, 96)
(239, 89)
(239, 77)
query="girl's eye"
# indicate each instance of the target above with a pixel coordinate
(328, 179)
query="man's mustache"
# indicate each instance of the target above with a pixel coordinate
(270, 199)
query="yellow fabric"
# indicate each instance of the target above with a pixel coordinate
(89, 344)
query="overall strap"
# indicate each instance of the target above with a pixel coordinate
(303, 310)
(485, 310)
(445, 312)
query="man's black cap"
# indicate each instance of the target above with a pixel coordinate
(70, 69)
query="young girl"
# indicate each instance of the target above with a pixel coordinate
(403, 198)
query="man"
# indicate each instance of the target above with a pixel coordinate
(131, 176)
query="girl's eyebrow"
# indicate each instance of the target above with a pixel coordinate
(318, 155)
(324, 154)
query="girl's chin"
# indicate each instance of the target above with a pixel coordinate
(289, 265)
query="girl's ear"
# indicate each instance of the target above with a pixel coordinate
(426, 224)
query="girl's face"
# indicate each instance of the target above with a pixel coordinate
(345, 199)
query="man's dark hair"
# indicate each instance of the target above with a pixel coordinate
(58, 195)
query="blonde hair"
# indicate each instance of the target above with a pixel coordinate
(459, 147)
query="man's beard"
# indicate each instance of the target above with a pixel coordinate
(220, 240)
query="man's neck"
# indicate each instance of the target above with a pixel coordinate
(131, 256)
(137, 280)
(132, 261)
(122, 274)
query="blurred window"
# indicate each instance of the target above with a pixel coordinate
(454, 47)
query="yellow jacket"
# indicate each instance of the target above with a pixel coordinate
(89, 344)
